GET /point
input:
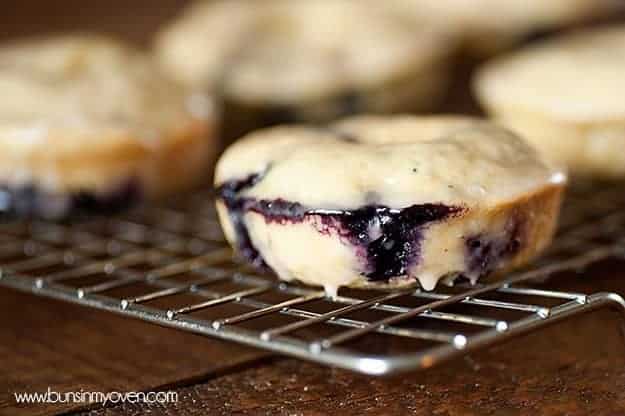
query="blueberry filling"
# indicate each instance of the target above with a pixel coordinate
(228, 192)
(388, 240)
(277, 211)
(485, 253)
(110, 202)
(392, 238)
(32, 201)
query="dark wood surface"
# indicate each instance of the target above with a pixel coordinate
(573, 368)
(547, 373)
(45, 343)
(132, 20)
(576, 367)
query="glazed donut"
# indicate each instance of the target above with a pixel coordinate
(562, 96)
(92, 125)
(280, 61)
(387, 201)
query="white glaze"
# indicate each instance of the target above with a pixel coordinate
(400, 161)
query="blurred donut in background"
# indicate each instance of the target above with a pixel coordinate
(488, 26)
(92, 125)
(563, 96)
(279, 61)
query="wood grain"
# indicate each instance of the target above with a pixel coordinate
(572, 368)
(45, 343)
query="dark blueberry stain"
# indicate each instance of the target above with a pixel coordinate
(109, 202)
(276, 211)
(32, 201)
(387, 239)
(229, 194)
(485, 253)
(392, 238)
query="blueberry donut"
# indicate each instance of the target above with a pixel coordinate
(88, 124)
(387, 201)
(280, 61)
(487, 26)
(563, 96)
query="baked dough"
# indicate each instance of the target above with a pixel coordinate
(563, 96)
(487, 26)
(277, 61)
(384, 202)
(88, 123)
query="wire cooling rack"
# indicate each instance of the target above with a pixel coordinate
(169, 265)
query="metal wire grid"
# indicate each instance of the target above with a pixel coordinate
(173, 250)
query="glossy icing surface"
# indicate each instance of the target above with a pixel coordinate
(426, 224)
(396, 162)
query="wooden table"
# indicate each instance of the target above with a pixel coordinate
(575, 367)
